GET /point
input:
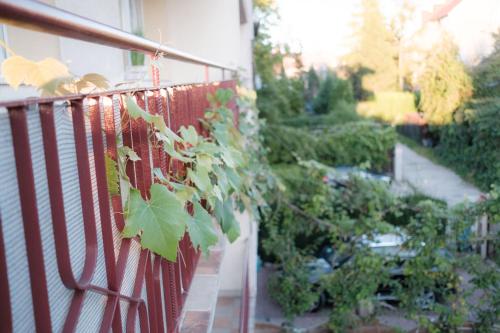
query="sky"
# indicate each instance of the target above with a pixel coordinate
(322, 29)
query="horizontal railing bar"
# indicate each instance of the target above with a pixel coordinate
(34, 15)
(42, 100)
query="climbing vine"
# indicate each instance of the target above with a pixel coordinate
(216, 177)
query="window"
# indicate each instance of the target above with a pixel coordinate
(133, 21)
(3, 51)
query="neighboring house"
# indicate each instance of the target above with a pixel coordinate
(469, 23)
(220, 31)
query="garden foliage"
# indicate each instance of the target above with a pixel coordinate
(471, 143)
(310, 215)
(352, 143)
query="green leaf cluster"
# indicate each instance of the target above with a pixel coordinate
(215, 178)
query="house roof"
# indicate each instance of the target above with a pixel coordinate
(441, 11)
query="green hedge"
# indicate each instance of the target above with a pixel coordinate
(389, 107)
(472, 142)
(285, 143)
(343, 113)
(357, 143)
(347, 144)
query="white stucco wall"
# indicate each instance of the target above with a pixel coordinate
(207, 29)
(232, 267)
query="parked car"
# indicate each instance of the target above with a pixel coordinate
(390, 246)
(339, 176)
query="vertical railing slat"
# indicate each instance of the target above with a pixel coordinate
(26, 182)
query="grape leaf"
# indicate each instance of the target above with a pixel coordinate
(200, 178)
(17, 70)
(225, 215)
(132, 155)
(168, 147)
(135, 111)
(160, 125)
(189, 135)
(160, 222)
(112, 176)
(92, 80)
(201, 229)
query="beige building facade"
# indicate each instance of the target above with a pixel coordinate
(218, 30)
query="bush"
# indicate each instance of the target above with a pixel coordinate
(357, 143)
(471, 142)
(332, 91)
(285, 143)
(389, 107)
(343, 113)
(281, 98)
(350, 144)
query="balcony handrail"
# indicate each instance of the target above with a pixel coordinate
(34, 15)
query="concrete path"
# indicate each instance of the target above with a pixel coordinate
(432, 179)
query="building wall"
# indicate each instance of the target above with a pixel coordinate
(207, 29)
(220, 37)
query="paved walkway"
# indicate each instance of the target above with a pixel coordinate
(434, 180)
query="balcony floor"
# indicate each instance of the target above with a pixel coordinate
(227, 315)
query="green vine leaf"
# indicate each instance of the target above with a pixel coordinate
(169, 148)
(130, 153)
(159, 124)
(160, 222)
(189, 135)
(201, 229)
(135, 111)
(200, 178)
(112, 177)
(224, 212)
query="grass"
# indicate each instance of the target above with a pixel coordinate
(430, 154)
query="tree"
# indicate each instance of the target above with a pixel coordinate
(332, 91)
(312, 84)
(444, 83)
(376, 52)
(486, 75)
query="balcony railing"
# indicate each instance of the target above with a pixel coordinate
(63, 263)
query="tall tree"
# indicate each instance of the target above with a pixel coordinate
(375, 54)
(444, 84)
(487, 74)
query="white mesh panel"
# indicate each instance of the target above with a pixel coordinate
(92, 312)
(70, 186)
(99, 278)
(59, 295)
(13, 232)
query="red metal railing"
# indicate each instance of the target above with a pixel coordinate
(104, 282)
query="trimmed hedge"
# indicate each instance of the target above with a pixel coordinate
(347, 144)
(357, 143)
(343, 113)
(285, 143)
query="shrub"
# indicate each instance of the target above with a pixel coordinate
(342, 113)
(332, 91)
(285, 143)
(352, 143)
(389, 107)
(486, 76)
(357, 143)
(471, 142)
(281, 98)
